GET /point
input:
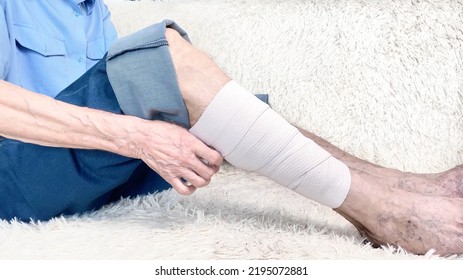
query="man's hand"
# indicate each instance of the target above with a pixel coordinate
(176, 155)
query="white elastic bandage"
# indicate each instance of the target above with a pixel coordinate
(251, 136)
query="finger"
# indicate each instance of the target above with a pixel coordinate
(194, 179)
(180, 187)
(215, 168)
(201, 169)
(210, 156)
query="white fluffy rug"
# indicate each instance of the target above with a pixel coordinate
(381, 79)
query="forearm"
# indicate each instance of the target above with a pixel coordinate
(38, 119)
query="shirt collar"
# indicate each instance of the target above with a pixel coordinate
(89, 4)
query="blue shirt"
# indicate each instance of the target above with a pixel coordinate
(46, 45)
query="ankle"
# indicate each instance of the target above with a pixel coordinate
(358, 203)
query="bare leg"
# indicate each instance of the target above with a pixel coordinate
(449, 183)
(199, 78)
(386, 214)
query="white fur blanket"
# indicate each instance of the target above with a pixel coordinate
(380, 79)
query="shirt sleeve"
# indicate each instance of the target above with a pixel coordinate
(4, 45)
(110, 32)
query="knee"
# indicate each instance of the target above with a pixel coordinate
(179, 48)
(174, 38)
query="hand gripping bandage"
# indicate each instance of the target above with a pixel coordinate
(251, 136)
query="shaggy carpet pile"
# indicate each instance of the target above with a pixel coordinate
(381, 79)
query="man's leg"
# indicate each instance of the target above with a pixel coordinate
(387, 215)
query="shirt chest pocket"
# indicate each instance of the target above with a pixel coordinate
(96, 49)
(44, 44)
